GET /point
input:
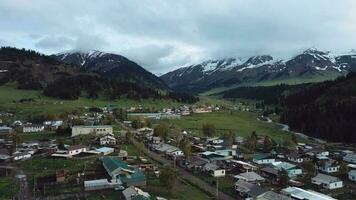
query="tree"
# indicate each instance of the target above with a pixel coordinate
(309, 167)
(208, 130)
(128, 136)
(294, 138)
(141, 148)
(186, 147)
(267, 144)
(343, 169)
(121, 114)
(250, 142)
(136, 123)
(168, 178)
(283, 178)
(229, 138)
(161, 130)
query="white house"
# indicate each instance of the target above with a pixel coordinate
(352, 175)
(328, 166)
(214, 170)
(107, 139)
(85, 130)
(32, 128)
(263, 159)
(327, 182)
(21, 156)
(76, 149)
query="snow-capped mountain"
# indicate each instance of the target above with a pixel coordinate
(112, 66)
(310, 65)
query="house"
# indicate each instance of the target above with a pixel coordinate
(85, 130)
(105, 150)
(263, 159)
(134, 193)
(301, 194)
(168, 149)
(196, 163)
(250, 177)
(327, 182)
(328, 166)
(317, 152)
(121, 172)
(296, 157)
(249, 190)
(352, 175)
(271, 174)
(107, 139)
(32, 128)
(21, 156)
(244, 166)
(292, 170)
(351, 158)
(156, 140)
(270, 195)
(76, 149)
(226, 154)
(214, 170)
(53, 125)
(5, 130)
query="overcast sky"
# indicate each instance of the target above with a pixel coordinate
(163, 34)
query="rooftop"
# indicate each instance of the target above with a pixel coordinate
(323, 178)
(299, 193)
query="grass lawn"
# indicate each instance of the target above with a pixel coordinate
(241, 123)
(182, 191)
(39, 166)
(9, 187)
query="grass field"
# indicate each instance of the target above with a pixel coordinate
(9, 101)
(9, 187)
(241, 123)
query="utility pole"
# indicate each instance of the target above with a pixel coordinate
(217, 187)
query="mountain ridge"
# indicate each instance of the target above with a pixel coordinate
(113, 66)
(309, 64)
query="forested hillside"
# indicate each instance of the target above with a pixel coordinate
(325, 110)
(34, 71)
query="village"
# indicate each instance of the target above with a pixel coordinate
(127, 152)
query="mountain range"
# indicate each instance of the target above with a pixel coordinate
(113, 66)
(75, 75)
(311, 65)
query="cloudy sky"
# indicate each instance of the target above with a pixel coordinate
(163, 34)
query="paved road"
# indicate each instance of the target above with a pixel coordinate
(187, 175)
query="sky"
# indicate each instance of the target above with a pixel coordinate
(162, 35)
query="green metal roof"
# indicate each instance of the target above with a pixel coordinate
(137, 176)
(261, 156)
(113, 163)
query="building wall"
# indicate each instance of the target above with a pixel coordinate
(32, 129)
(335, 185)
(85, 130)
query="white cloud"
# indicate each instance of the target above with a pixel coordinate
(161, 35)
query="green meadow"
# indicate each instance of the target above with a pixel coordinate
(239, 122)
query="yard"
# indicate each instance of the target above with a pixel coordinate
(9, 187)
